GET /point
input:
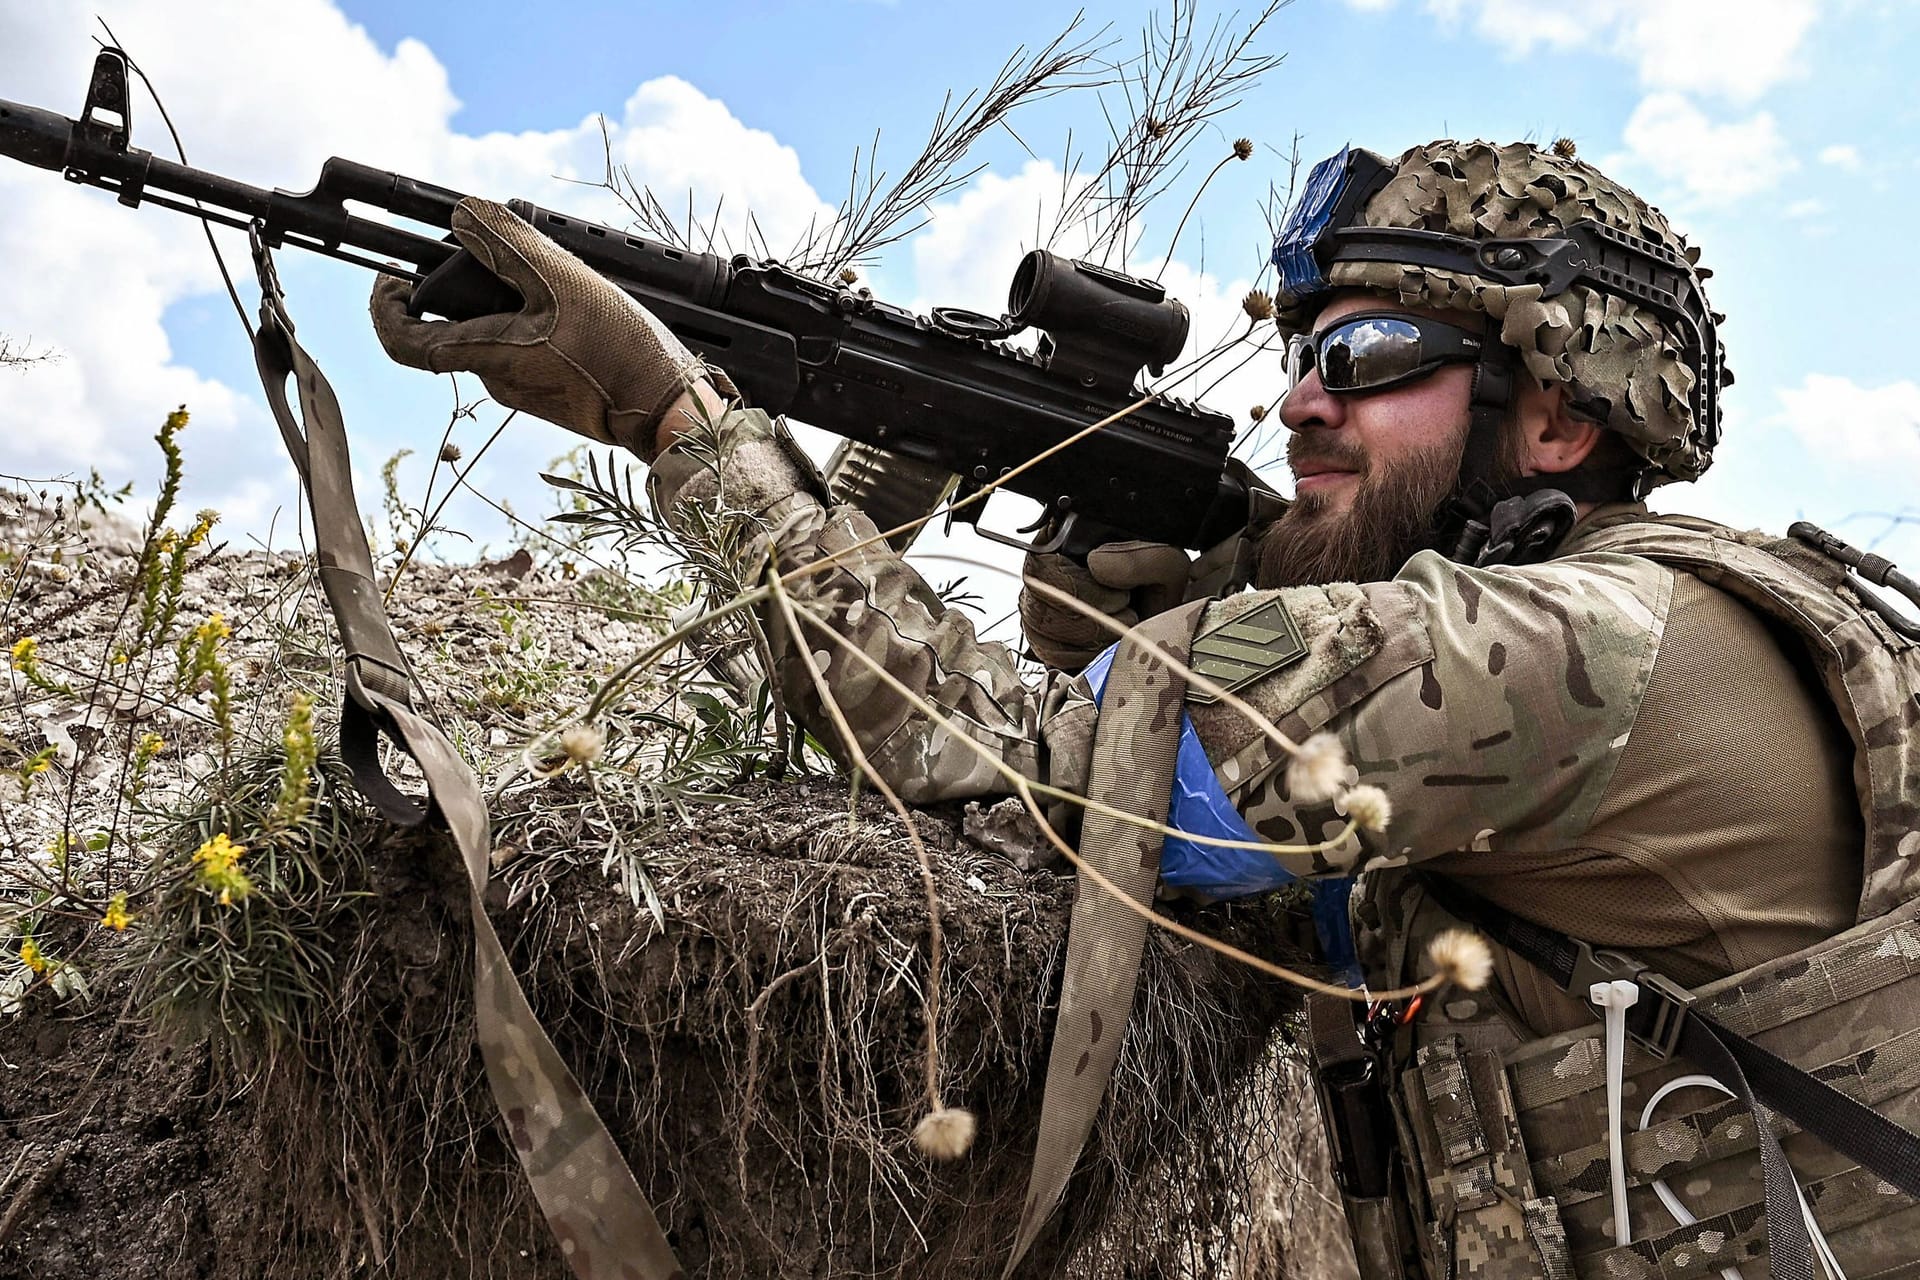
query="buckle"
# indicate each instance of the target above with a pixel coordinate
(1662, 1019)
(1656, 1022)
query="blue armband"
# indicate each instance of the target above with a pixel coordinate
(1200, 807)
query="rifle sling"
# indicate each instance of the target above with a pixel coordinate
(1135, 746)
(583, 1185)
(1762, 1080)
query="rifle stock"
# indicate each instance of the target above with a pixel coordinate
(945, 392)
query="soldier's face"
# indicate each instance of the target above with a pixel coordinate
(1369, 470)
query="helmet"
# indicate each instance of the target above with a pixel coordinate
(1582, 281)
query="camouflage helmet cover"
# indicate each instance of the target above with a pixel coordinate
(1625, 366)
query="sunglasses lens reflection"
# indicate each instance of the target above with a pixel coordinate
(1368, 353)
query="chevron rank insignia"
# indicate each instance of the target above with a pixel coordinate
(1235, 654)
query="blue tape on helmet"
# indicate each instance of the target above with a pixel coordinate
(1299, 270)
(1200, 807)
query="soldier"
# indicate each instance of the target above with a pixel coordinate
(1644, 734)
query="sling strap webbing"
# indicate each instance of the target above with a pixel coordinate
(1135, 745)
(1666, 1020)
(604, 1225)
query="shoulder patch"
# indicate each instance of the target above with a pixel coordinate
(1241, 650)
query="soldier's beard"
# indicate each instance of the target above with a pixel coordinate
(1391, 517)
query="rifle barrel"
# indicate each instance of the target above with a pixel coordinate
(317, 220)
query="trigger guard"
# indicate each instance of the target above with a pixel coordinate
(1041, 547)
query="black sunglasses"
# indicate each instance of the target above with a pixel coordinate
(1374, 350)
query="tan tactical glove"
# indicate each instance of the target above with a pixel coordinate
(580, 353)
(1127, 581)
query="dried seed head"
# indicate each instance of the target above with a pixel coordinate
(1242, 148)
(582, 743)
(849, 276)
(449, 452)
(1257, 413)
(945, 1133)
(1155, 129)
(1564, 148)
(1463, 957)
(1369, 808)
(1258, 305)
(1318, 770)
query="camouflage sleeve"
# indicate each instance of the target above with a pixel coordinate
(874, 599)
(1491, 705)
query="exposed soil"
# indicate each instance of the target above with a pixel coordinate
(374, 1149)
(739, 989)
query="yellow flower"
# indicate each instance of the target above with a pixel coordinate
(219, 852)
(117, 917)
(40, 763)
(151, 745)
(217, 864)
(23, 652)
(32, 957)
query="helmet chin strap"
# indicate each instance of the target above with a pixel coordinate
(1490, 520)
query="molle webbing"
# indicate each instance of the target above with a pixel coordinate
(1459, 1110)
(1851, 1006)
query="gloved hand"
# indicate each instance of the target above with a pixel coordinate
(1127, 581)
(580, 353)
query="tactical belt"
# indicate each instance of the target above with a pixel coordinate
(583, 1185)
(1667, 1021)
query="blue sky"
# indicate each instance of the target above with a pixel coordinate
(1780, 133)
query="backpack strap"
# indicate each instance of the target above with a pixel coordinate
(1134, 750)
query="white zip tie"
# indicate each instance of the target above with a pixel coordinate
(1685, 1218)
(1614, 999)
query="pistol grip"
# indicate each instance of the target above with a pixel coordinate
(462, 289)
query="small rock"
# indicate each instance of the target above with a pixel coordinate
(1010, 831)
(515, 566)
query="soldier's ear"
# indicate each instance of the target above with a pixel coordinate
(1551, 436)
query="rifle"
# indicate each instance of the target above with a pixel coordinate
(923, 399)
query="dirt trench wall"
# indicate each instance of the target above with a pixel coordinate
(759, 1059)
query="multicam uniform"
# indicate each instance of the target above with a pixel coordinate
(1617, 749)
(1601, 743)
(1667, 739)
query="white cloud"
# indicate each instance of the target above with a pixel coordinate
(1805, 209)
(1709, 162)
(1841, 155)
(94, 281)
(972, 243)
(1735, 49)
(1841, 420)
